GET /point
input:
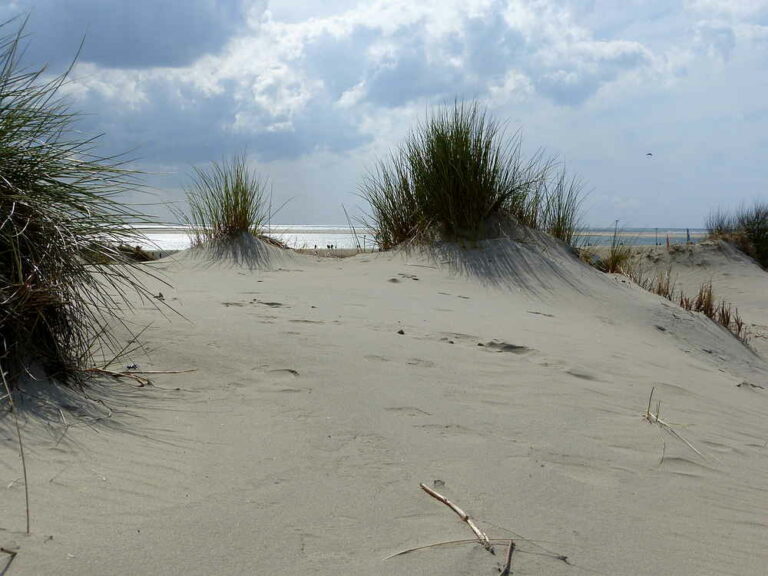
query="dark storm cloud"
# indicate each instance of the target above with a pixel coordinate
(180, 125)
(128, 34)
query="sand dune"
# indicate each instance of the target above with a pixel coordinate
(509, 376)
(735, 277)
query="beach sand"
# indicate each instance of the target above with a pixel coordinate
(510, 377)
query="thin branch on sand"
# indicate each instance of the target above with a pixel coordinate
(481, 536)
(655, 419)
(21, 447)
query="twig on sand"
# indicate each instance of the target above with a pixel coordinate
(135, 375)
(546, 553)
(655, 419)
(481, 536)
(508, 563)
(21, 448)
(441, 544)
(11, 557)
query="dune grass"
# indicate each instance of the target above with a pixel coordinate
(618, 260)
(57, 204)
(746, 228)
(226, 200)
(457, 177)
(704, 301)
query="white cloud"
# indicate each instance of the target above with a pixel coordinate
(732, 8)
(303, 83)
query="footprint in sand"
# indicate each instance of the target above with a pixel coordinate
(290, 371)
(408, 410)
(421, 363)
(581, 374)
(499, 346)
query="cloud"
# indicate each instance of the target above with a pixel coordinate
(135, 34)
(718, 40)
(303, 86)
(740, 9)
(572, 73)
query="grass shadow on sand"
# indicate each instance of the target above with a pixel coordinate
(245, 251)
(48, 410)
(530, 261)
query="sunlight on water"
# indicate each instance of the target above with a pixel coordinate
(172, 238)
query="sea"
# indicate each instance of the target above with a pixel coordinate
(172, 238)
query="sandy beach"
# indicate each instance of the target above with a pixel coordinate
(510, 377)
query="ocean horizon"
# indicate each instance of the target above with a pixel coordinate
(173, 237)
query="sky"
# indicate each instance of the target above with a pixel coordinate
(316, 92)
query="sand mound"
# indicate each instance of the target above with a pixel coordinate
(529, 261)
(510, 378)
(246, 251)
(735, 277)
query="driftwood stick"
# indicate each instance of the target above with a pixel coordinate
(508, 564)
(463, 515)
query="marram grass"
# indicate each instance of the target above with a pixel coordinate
(57, 205)
(746, 228)
(226, 200)
(458, 177)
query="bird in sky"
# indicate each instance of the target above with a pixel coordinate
(649, 154)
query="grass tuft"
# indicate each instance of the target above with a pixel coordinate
(226, 200)
(57, 212)
(747, 229)
(619, 257)
(457, 177)
(722, 312)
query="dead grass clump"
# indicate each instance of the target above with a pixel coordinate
(722, 312)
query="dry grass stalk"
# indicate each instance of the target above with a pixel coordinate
(21, 446)
(508, 563)
(446, 543)
(655, 419)
(135, 374)
(721, 312)
(481, 536)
